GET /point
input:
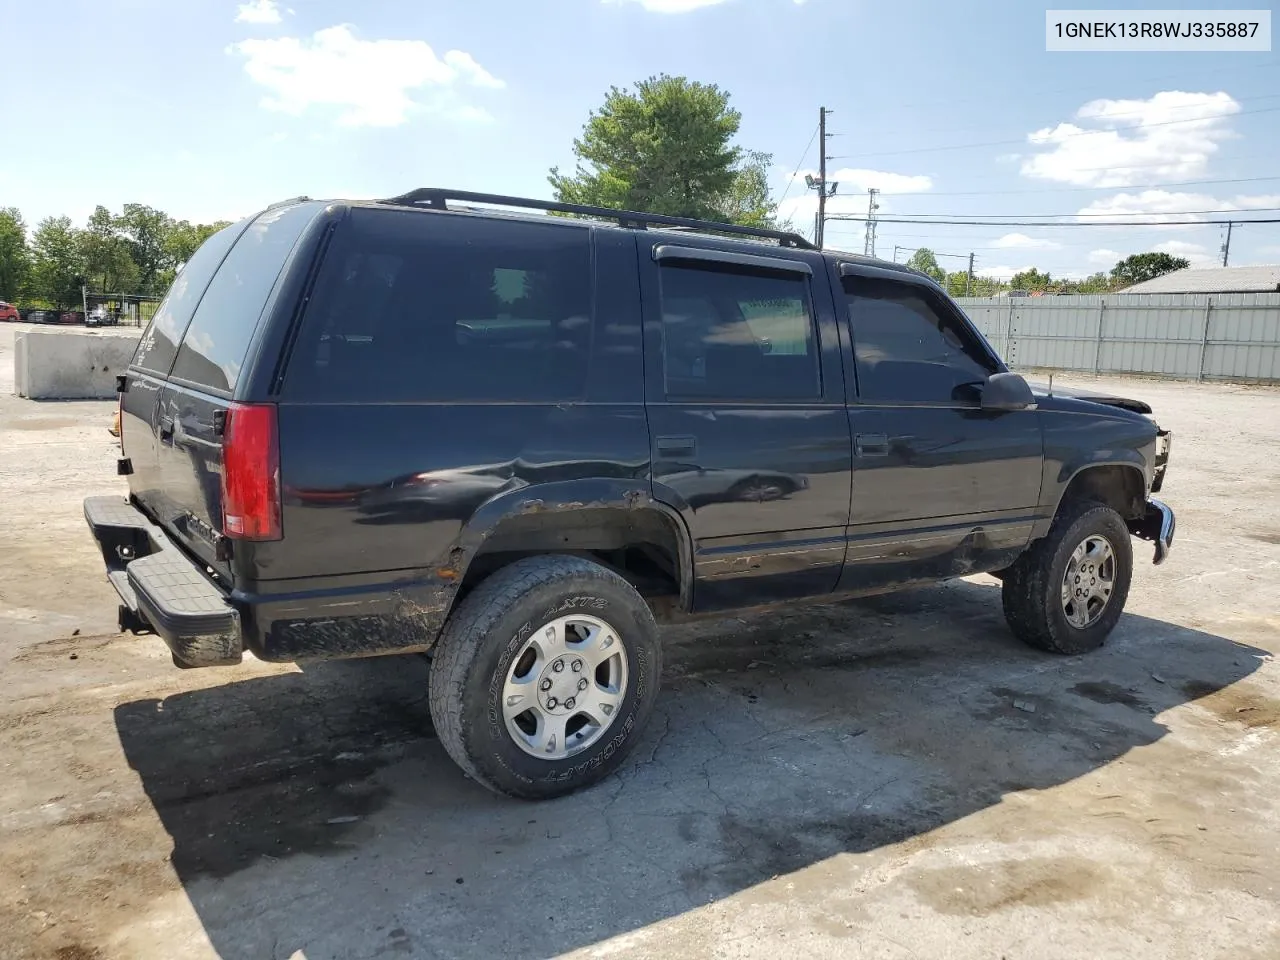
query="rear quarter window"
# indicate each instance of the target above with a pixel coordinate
(425, 307)
(217, 339)
(159, 343)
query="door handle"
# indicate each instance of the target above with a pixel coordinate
(871, 445)
(166, 429)
(668, 447)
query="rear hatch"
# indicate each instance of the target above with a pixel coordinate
(184, 418)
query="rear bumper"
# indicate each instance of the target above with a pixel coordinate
(1157, 524)
(281, 621)
(158, 582)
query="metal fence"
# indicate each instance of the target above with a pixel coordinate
(1232, 336)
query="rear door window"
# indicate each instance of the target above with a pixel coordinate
(737, 334)
(218, 336)
(424, 307)
(159, 343)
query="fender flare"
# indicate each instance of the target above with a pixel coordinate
(624, 497)
(1074, 468)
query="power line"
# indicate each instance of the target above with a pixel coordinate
(979, 217)
(796, 173)
(1060, 223)
(1065, 136)
(1135, 186)
(1112, 167)
(1268, 65)
(1103, 118)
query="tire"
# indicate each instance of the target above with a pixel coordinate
(486, 644)
(1033, 592)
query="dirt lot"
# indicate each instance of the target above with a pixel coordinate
(892, 778)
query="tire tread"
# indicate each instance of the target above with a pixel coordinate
(459, 644)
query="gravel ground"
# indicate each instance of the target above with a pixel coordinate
(891, 778)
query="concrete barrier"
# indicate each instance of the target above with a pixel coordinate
(71, 365)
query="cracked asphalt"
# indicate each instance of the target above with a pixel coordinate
(890, 778)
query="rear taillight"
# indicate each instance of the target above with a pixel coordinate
(251, 473)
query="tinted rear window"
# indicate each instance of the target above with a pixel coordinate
(160, 341)
(431, 307)
(217, 339)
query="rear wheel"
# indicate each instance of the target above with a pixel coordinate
(1066, 593)
(544, 676)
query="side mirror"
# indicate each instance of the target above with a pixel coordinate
(1006, 391)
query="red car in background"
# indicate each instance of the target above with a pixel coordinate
(8, 311)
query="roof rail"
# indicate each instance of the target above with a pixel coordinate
(437, 199)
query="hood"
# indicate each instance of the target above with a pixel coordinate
(1136, 406)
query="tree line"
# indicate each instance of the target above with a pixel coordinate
(134, 252)
(1135, 268)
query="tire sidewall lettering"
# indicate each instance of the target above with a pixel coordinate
(503, 751)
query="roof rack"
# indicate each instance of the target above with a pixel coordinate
(437, 199)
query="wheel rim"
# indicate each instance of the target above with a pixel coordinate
(565, 687)
(1089, 581)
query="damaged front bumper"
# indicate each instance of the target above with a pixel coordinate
(1157, 524)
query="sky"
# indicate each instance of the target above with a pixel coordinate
(210, 109)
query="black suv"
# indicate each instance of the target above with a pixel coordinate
(515, 441)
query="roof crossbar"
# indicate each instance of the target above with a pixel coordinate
(437, 199)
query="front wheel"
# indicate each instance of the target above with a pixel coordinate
(1066, 593)
(544, 676)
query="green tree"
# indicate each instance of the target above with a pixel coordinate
(15, 257)
(57, 262)
(1031, 279)
(181, 242)
(664, 148)
(1145, 266)
(184, 239)
(1094, 283)
(748, 200)
(926, 261)
(108, 263)
(145, 229)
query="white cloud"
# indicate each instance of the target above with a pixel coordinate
(859, 180)
(1122, 142)
(1197, 253)
(802, 204)
(1152, 205)
(1104, 257)
(371, 82)
(469, 70)
(258, 11)
(1261, 201)
(1000, 272)
(1020, 241)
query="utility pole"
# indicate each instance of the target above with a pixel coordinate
(822, 176)
(896, 248)
(968, 281)
(819, 183)
(1226, 247)
(869, 248)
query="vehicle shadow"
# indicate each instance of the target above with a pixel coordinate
(316, 812)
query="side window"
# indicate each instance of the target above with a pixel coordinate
(416, 306)
(159, 342)
(218, 336)
(734, 334)
(908, 349)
